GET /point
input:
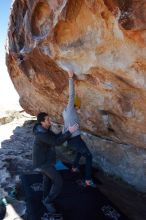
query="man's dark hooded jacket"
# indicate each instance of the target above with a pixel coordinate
(44, 154)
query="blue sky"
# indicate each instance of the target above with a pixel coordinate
(8, 95)
(4, 15)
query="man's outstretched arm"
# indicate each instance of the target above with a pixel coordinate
(54, 140)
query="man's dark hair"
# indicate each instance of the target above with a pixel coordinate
(41, 117)
(2, 211)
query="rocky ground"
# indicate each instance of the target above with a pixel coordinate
(16, 140)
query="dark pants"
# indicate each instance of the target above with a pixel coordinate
(77, 144)
(50, 173)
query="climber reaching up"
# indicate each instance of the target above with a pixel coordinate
(70, 116)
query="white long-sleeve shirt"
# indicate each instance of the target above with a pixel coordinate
(70, 115)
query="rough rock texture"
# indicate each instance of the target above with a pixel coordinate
(104, 42)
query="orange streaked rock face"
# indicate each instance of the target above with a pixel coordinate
(103, 42)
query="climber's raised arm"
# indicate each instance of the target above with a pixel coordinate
(70, 104)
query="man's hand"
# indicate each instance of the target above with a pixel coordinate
(70, 74)
(73, 128)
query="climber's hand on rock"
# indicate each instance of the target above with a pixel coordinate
(70, 74)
